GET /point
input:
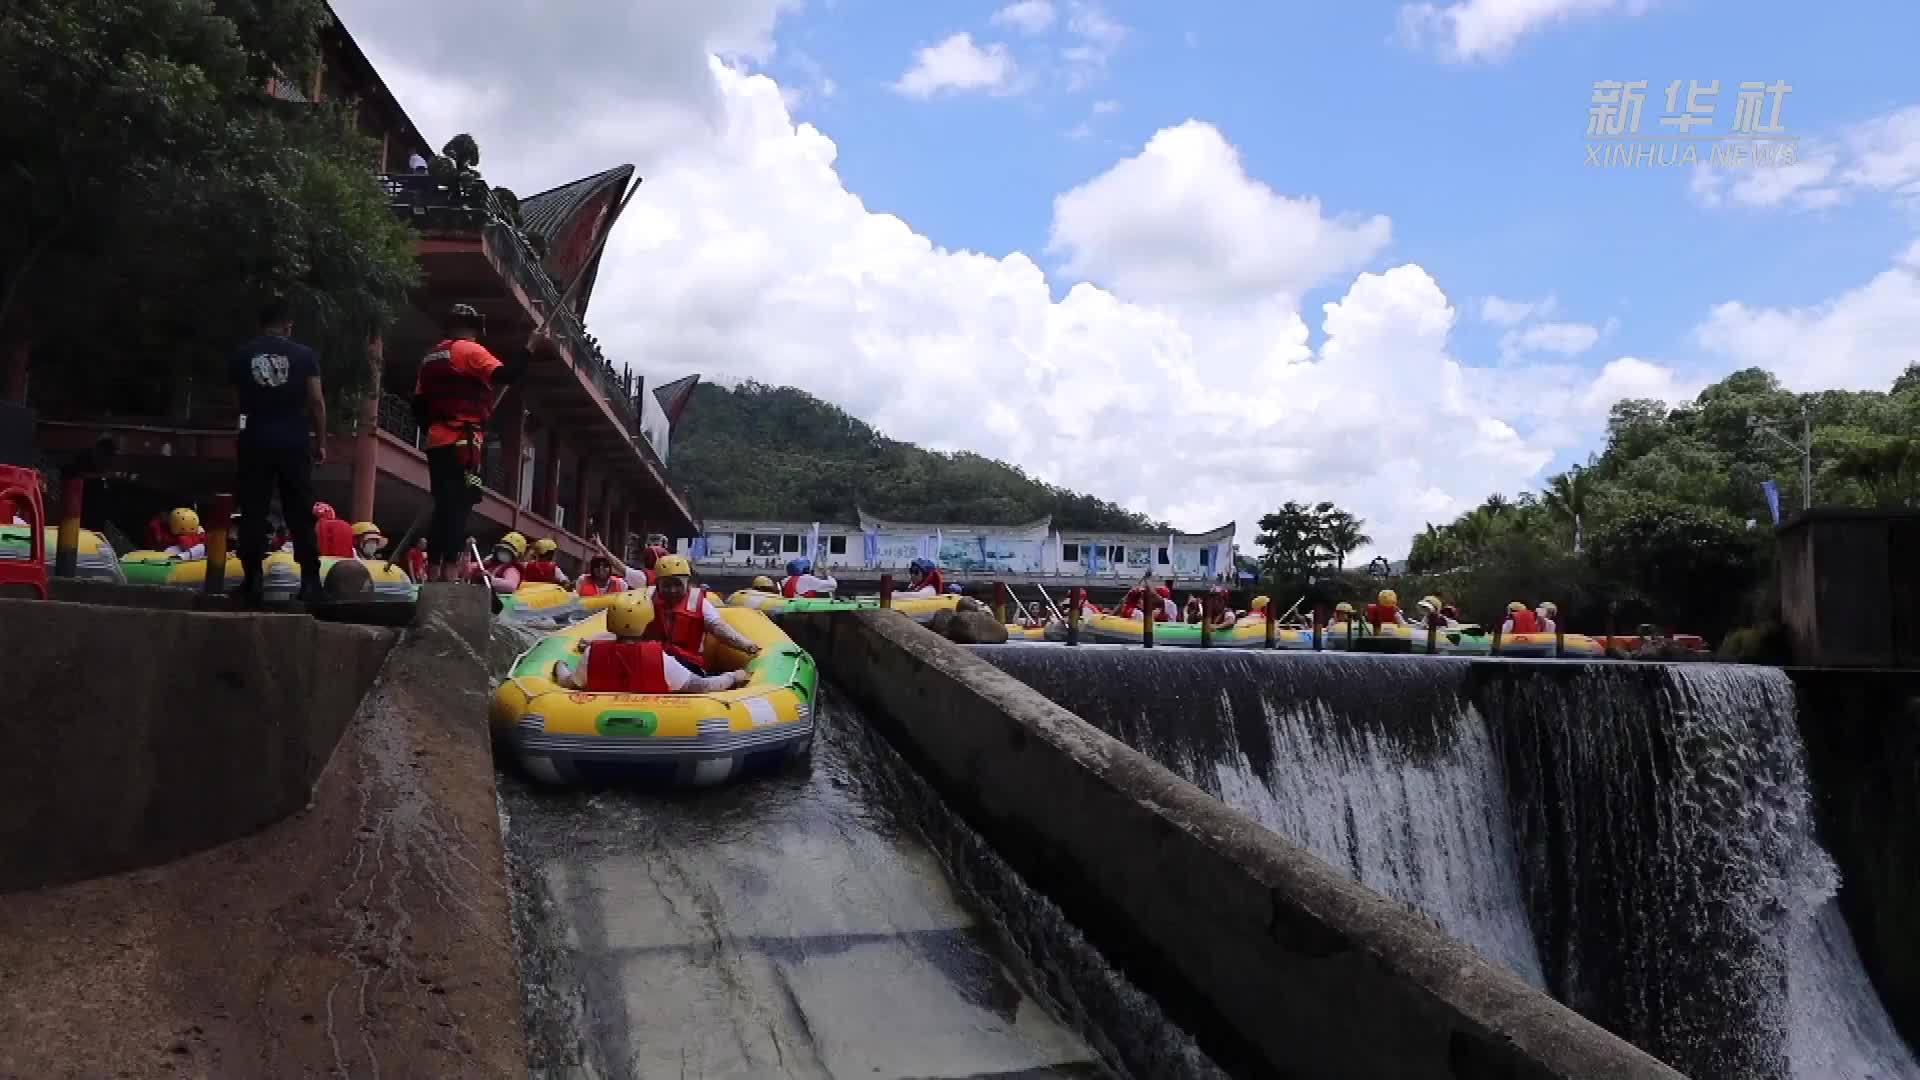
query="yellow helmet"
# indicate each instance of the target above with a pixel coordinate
(673, 566)
(1343, 608)
(515, 543)
(1516, 606)
(1431, 602)
(630, 615)
(364, 528)
(763, 582)
(545, 546)
(1259, 604)
(1389, 598)
(1548, 607)
(183, 520)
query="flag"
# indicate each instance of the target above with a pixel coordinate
(870, 547)
(1772, 491)
(813, 542)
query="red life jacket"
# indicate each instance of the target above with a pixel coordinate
(335, 538)
(184, 541)
(453, 397)
(1524, 622)
(934, 579)
(1382, 614)
(788, 585)
(417, 564)
(681, 628)
(539, 570)
(626, 667)
(159, 535)
(588, 588)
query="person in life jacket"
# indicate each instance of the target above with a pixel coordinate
(1520, 620)
(542, 567)
(1143, 598)
(1195, 612)
(923, 581)
(452, 401)
(1434, 613)
(416, 561)
(627, 660)
(636, 577)
(684, 616)
(1385, 611)
(1544, 617)
(502, 568)
(764, 584)
(1257, 609)
(1342, 613)
(188, 539)
(367, 541)
(333, 536)
(801, 581)
(1223, 614)
(600, 578)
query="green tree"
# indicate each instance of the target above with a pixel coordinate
(156, 194)
(1675, 558)
(1292, 544)
(1340, 533)
(1566, 500)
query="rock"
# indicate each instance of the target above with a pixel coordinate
(975, 628)
(941, 623)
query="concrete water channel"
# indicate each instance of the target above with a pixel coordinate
(800, 925)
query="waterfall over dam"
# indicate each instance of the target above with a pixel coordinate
(1636, 839)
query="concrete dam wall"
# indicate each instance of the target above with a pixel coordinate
(1639, 840)
(1273, 960)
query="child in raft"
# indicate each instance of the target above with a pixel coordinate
(622, 661)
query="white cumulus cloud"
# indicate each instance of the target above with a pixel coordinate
(957, 64)
(1489, 29)
(1027, 16)
(1564, 338)
(1877, 156)
(1183, 220)
(1504, 312)
(1859, 340)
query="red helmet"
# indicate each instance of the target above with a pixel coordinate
(323, 512)
(1163, 592)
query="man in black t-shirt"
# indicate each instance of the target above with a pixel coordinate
(283, 435)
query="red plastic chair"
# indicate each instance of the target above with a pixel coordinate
(22, 488)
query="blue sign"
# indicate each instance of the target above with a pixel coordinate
(1772, 492)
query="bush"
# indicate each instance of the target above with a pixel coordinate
(1763, 644)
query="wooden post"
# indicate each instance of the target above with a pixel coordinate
(219, 524)
(1146, 623)
(1268, 612)
(1433, 634)
(1319, 642)
(1207, 607)
(1559, 640)
(886, 590)
(1000, 601)
(66, 552)
(1079, 599)
(1498, 627)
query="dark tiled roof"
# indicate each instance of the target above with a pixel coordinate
(675, 396)
(551, 215)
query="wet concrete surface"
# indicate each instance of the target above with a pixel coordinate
(793, 925)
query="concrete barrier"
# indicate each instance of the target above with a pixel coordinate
(1862, 730)
(1275, 962)
(135, 736)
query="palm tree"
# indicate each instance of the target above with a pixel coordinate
(1566, 500)
(1340, 534)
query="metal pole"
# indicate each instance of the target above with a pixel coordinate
(1806, 460)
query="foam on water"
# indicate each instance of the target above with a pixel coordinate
(1636, 839)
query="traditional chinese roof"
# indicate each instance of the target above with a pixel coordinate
(1211, 536)
(675, 397)
(571, 219)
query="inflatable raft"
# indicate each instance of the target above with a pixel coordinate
(685, 740)
(280, 573)
(542, 600)
(920, 609)
(96, 560)
(1459, 641)
(1246, 634)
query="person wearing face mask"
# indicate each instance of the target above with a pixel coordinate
(684, 616)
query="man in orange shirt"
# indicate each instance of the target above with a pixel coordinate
(453, 400)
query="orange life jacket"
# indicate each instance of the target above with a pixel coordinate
(681, 628)
(626, 667)
(454, 397)
(1382, 614)
(588, 588)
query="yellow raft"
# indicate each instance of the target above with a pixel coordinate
(95, 558)
(280, 573)
(684, 740)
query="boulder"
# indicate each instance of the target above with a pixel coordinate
(975, 628)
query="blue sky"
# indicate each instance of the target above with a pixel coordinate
(1479, 164)
(1159, 253)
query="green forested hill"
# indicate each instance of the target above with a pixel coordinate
(757, 451)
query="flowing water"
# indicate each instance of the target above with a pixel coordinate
(1636, 839)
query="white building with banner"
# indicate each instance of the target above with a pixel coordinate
(1034, 550)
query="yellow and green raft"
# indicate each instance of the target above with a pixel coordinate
(682, 740)
(280, 573)
(919, 609)
(96, 560)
